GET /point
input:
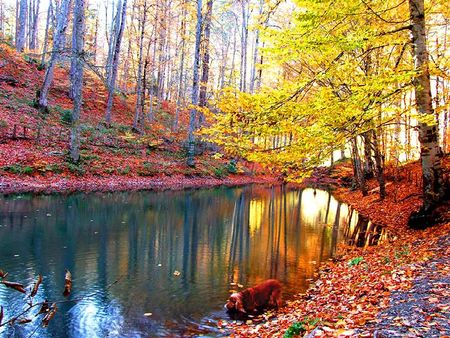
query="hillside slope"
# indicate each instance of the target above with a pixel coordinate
(33, 145)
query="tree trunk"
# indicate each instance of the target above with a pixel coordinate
(379, 169)
(137, 110)
(359, 172)
(58, 47)
(47, 27)
(205, 59)
(115, 64)
(180, 80)
(255, 51)
(231, 80)
(77, 78)
(195, 88)
(34, 25)
(21, 26)
(430, 153)
(368, 161)
(244, 38)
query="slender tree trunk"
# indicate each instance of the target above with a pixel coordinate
(195, 88)
(115, 64)
(182, 56)
(34, 26)
(430, 153)
(59, 41)
(233, 59)
(360, 179)
(368, 161)
(47, 27)
(255, 51)
(244, 38)
(379, 165)
(115, 26)
(137, 111)
(77, 78)
(205, 59)
(21, 26)
(96, 35)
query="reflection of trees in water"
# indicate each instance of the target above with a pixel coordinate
(212, 237)
(361, 232)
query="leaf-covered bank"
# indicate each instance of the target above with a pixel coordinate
(356, 292)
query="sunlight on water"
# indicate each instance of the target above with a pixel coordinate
(175, 254)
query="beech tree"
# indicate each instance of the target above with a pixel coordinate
(33, 24)
(430, 152)
(47, 28)
(76, 77)
(59, 41)
(138, 112)
(116, 42)
(21, 24)
(195, 87)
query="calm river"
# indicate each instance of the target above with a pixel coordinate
(175, 254)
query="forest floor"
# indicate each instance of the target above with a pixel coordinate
(34, 145)
(400, 288)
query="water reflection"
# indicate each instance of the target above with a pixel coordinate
(212, 237)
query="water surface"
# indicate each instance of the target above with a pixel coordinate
(175, 254)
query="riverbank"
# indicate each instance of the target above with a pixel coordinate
(10, 185)
(374, 291)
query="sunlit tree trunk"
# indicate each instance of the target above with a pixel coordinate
(430, 153)
(231, 80)
(244, 39)
(137, 110)
(21, 25)
(181, 71)
(115, 63)
(358, 169)
(59, 41)
(195, 87)
(76, 77)
(205, 59)
(255, 52)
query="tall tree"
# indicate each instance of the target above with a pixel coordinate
(205, 58)
(76, 77)
(181, 66)
(430, 152)
(47, 28)
(115, 62)
(21, 25)
(138, 118)
(195, 87)
(33, 24)
(59, 41)
(244, 40)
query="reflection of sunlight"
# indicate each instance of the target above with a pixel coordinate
(313, 204)
(256, 213)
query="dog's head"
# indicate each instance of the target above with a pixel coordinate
(235, 303)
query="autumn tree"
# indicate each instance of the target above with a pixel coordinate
(21, 25)
(76, 77)
(195, 87)
(59, 41)
(430, 152)
(112, 67)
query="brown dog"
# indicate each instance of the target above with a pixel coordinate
(262, 296)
